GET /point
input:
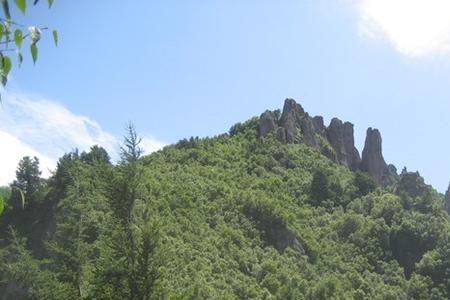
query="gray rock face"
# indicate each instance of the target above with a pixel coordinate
(267, 122)
(319, 125)
(308, 131)
(290, 120)
(296, 126)
(412, 183)
(340, 136)
(372, 158)
(281, 135)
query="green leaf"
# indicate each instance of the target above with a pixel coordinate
(2, 30)
(5, 6)
(50, 3)
(2, 202)
(18, 38)
(6, 65)
(21, 5)
(34, 52)
(3, 75)
(55, 37)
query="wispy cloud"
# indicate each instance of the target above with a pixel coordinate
(151, 144)
(416, 28)
(12, 150)
(49, 127)
(36, 126)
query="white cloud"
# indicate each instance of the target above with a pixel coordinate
(12, 150)
(416, 28)
(34, 126)
(150, 144)
(49, 127)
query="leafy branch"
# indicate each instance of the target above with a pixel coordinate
(13, 34)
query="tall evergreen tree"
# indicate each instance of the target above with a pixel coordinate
(131, 150)
(28, 183)
(97, 155)
(320, 188)
(132, 238)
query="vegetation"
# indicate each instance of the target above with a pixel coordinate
(229, 217)
(13, 34)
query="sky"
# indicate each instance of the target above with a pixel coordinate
(178, 68)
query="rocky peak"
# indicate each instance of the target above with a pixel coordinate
(319, 125)
(267, 122)
(340, 136)
(296, 126)
(291, 119)
(412, 184)
(291, 109)
(372, 158)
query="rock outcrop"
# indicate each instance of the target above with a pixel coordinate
(267, 123)
(412, 184)
(294, 125)
(340, 136)
(308, 132)
(319, 125)
(335, 141)
(290, 120)
(373, 161)
(372, 156)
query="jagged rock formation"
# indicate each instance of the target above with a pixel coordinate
(372, 158)
(335, 141)
(319, 125)
(340, 136)
(412, 184)
(267, 123)
(290, 119)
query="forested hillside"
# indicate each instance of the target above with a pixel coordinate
(243, 215)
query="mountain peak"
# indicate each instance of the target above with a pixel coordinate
(296, 126)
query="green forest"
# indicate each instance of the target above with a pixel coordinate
(280, 207)
(234, 216)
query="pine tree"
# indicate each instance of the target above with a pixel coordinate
(80, 221)
(127, 253)
(320, 188)
(28, 184)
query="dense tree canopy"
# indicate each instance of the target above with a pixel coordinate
(229, 217)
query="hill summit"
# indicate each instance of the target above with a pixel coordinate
(336, 141)
(281, 207)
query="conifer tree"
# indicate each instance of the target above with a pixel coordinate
(28, 183)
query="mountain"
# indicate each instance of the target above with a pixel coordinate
(335, 141)
(281, 207)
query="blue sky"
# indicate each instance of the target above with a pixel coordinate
(194, 68)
